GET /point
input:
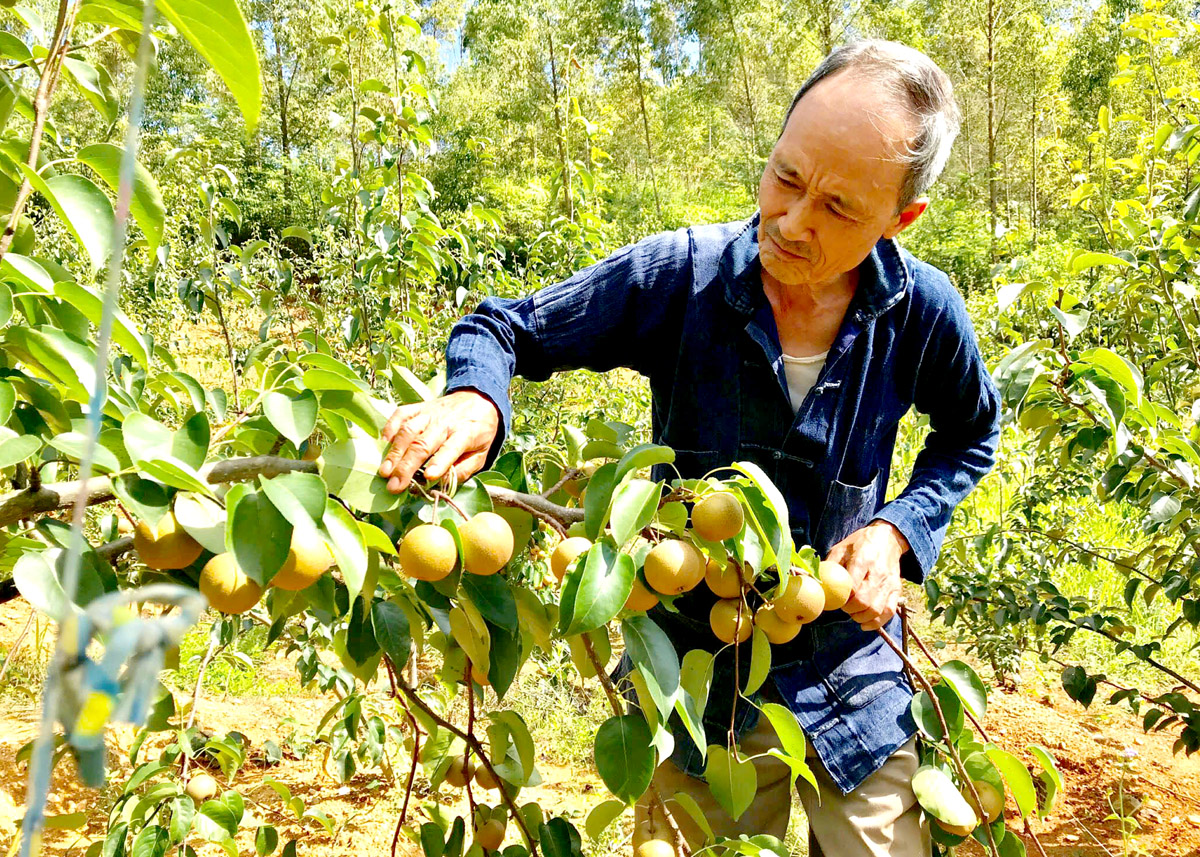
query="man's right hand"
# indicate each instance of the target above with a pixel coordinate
(453, 432)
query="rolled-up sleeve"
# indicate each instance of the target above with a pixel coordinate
(626, 310)
(955, 389)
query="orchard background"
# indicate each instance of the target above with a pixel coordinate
(237, 233)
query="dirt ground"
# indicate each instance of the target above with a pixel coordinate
(1163, 790)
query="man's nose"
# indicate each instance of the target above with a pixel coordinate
(797, 222)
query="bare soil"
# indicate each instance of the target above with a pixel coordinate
(1163, 790)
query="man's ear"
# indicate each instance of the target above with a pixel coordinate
(906, 217)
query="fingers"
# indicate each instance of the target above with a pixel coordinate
(412, 447)
(398, 418)
(447, 455)
(469, 465)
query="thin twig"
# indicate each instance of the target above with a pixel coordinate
(17, 645)
(213, 648)
(473, 743)
(953, 751)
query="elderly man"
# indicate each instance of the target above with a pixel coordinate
(797, 340)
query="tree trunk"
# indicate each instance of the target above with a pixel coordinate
(284, 135)
(637, 53)
(737, 43)
(993, 178)
(1033, 171)
(568, 204)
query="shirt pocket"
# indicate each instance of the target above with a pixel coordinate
(847, 508)
(856, 665)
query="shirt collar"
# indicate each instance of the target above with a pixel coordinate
(884, 276)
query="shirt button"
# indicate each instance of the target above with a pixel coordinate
(777, 454)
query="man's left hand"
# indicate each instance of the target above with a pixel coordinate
(872, 556)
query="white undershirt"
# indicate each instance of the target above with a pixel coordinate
(801, 373)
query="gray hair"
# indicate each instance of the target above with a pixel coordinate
(927, 93)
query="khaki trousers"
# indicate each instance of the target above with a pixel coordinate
(881, 818)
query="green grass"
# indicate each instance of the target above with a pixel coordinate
(228, 673)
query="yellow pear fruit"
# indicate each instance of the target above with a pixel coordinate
(460, 772)
(487, 541)
(227, 587)
(490, 834)
(803, 601)
(565, 553)
(955, 829)
(655, 848)
(308, 558)
(312, 452)
(201, 787)
(718, 516)
(723, 619)
(777, 630)
(992, 800)
(480, 675)
(640, 598)
(723, 578)
(673, 566)
(166, 545)
(837, 583)
(427, 552)
(484, 778)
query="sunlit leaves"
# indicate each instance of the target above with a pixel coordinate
(624, 757)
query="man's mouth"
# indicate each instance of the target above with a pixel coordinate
(786, 252)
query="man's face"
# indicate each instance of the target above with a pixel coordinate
(833, 182)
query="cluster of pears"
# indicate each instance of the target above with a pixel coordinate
(988, 809)
(803, 599)
(229, 590)
(428, 551)
(167, 546)
(489, 825)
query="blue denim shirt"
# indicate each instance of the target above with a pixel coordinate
(687, 310)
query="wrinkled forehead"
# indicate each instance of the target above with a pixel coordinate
(851, 128)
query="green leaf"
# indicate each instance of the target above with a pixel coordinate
(595, 589)
(733, 782)
(760, 660)
(146, 205)
(643, 455)
(72, 444)
(492, 595)
(351, 471)
(84, 210)
(177, 474)
(927, 720)
(297, 232)
(653, 653)
(598, 499)
(558, 838)
(392, 631)
(939, 797)
(633, 507)
(219, 33)
(1016, 775)
(147, 438)
(8, 400)
(293, 416)
(26, 272)
(204, 520)
(56, 356)
(145, 498)
(345, 539)
(266, 840)
(39, 585)
(258, 535)
(18, 449)
(780, 536)
(602, 815)
(1082, 260)
(968, 685)
(299, 497)
(125, 333)
(151, 841)
(695, 679)
(1050, 776)
(96, 86)
(624, 757)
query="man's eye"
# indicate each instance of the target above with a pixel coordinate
(836, 213)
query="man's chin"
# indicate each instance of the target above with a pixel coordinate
(785, 271)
